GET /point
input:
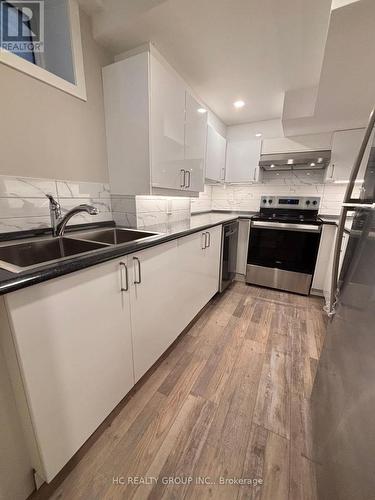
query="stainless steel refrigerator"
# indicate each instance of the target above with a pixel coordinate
(343, 397)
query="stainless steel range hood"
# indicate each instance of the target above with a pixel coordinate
(304, 160)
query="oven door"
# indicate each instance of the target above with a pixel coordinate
(282, 255)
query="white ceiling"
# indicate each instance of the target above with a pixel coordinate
(253, 50)
(346, 92)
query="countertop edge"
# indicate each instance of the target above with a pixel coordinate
(13, 282)
(45, 273)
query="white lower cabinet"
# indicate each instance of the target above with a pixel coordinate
(155, 304)
(72, 337)
(323, 266)
(243, 246)
(169, 285)
(322, 280)
(199, 266)
(80, 342)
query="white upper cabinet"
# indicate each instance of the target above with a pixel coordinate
(345, 148)
(167, 126)
(156, 137)
(215, 155)
(195, 143)
(242, 161)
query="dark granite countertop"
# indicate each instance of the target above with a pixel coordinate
(10, 282)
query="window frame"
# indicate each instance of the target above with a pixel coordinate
(77, 89)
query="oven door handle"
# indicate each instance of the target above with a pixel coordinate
(306, 228)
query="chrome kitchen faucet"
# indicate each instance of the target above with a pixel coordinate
(58, 221)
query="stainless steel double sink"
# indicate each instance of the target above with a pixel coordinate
(24, 255)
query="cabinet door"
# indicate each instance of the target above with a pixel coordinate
(167, 126)
(195, 144)
(215, 155)
(192, 279)
(155, 305)
(73, 342)
(243, 245)
(242, 164)
(345, 148)
(199, 270)
(323, 267)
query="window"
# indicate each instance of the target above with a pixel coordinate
(42, 38)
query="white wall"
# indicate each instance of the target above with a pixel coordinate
(268, 128)
(47, 133)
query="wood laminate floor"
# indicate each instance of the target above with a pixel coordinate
(229, 401)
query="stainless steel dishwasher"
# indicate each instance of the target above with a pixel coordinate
(229, 240)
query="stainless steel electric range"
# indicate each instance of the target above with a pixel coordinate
(283, 243)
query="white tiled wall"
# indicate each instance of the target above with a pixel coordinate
(23, 202)
(204, 202)
(142, 211)
(247, 197)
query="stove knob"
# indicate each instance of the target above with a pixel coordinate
(270, 202)
(315, 202)
(308, 202)
(264, 201)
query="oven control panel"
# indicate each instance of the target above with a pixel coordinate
(290, 202)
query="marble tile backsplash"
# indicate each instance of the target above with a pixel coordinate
(23, 202)
(204, 202)
(247, 197)
(142, 211)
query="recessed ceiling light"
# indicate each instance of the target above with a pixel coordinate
(290, 161)
(312, 164)
(307, 173)
(258, 134)
(239, 104)
(272, 166)
(320, 160)
(202, 110)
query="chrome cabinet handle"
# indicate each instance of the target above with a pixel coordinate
(333, 171)
(124, 267)
(223, 174)
(203, 240)
(139, 280)
(182, 178)
(188, 173)
(254, 174)
(209, 239)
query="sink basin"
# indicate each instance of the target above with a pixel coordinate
(20, 256)
(114, 236)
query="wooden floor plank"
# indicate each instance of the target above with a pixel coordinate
(276, 470)
(230, 400)
(273, 400)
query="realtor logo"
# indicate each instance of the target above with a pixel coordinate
(22, 26)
